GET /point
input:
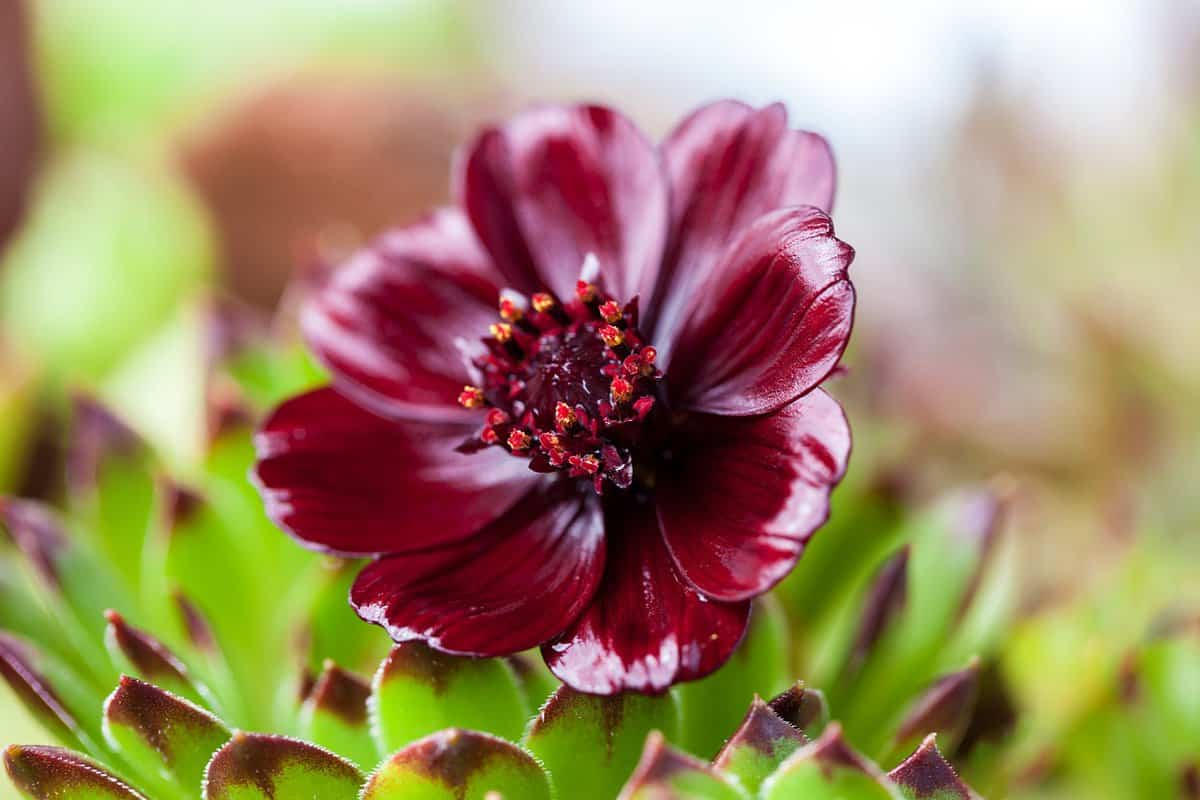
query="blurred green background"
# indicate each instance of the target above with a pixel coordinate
(1021, 182)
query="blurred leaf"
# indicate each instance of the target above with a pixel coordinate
(166, 738)
(945, 709)
(334, 715)
(334, 630)
(666, 774)
(418, 690)
(136, 245)
(758, 746)
(52, 773)
(36, 680)
(610, 730)
(458, 765)
(712, 707)
(259, 767)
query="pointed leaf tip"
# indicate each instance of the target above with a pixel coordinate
(334, 715)
(945, 708)
(612, 730)
(161, 734)
(54, 773)
(925, 775)
(828, 766)
(801, 707)
(36, 531)
(151, 660)
(759, 746)
(260, 767)
(456, 764)
(664, 772)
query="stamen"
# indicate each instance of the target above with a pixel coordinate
(564, 416)
(612, 336)
(497, 416)
(543, 302)
(512, 306)
(649, 355)
(471, 397)
(611, 311)
(586, 292)
(502, 331)
(620, 390)
(489, 436)
(518, 439)
(585, 464)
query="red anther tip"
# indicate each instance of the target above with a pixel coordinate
(471, 397)
(642, 406)
(585, 291)
(496, 416)
(489, 436)
(542, 302)
(518, 439)
(564, 415)
(632, 364)
(502, 331)
(548, 441)
(611, 336)
(620, 390)
(610, 310)
(649, 354)
(588, 464)
(510, 311)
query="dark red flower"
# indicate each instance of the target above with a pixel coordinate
(581, 409)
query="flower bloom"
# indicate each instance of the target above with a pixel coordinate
(581, 408)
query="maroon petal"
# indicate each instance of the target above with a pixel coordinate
(516, 584)
(750, 492)
(345, 481)
(389, 323)
(729, 164)
(769, 323)
(647, 627)
(555, 184)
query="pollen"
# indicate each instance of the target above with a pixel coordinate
(610, 310)
(564, 416)
(586, 292)
(518, 439)
(510, 311)
(471, 397)
(611, 335)
(620, 390)
(589, 465)
(496, 416)
(543, 302)
(489, 436)
(501, 331)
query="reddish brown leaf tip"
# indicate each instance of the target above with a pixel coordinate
(926, 774)
(18, 670)
(1189, 782)
(49, 773)
(251, 759)
(155, 713)
(452, 756)
(762, 729)
(420, 661)
(198, 630)
(800, 707)
(35, 529)
(96, 435)
(884, 602)
(148, 655)
(832, 752)
(945, 707)
(341, 693)
(181, 506)
(659, 764)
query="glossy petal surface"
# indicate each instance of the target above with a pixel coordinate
(388, 323)
(512, 586)
(768, 323)
(554, 184)
(750, 491)
(728, 164)
(344, 480)
(646, 628)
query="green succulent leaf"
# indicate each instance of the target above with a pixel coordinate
(334, 631)
(334, 715)
(53, 773)
(611, 732)
(925, 775)
(762, 742)
(260, 767)
(138, 653)
(166, 738)
(459, 765)
(828, 768)
(417, 691)
(714, 706)
(664, 773)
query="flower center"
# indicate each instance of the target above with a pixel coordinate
(566, 385)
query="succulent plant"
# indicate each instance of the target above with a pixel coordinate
(222, 627)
